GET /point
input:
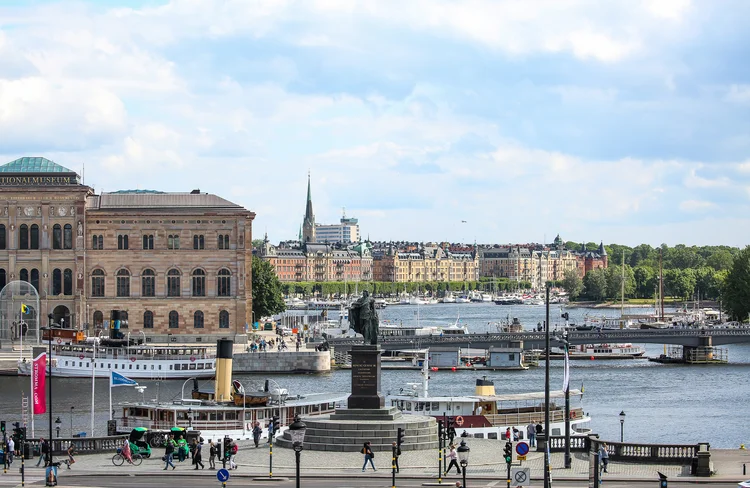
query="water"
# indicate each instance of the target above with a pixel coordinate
(662, 403)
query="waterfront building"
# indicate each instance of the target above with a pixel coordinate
(175, 263)
(319, 262)
(421, 264)
(345, 232)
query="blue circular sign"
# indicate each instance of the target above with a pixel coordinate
(522, 449)
(222, 475)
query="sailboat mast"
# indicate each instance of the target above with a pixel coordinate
(622, 286)
(661, 285)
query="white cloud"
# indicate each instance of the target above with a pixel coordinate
(692, 180)
(696, 205)
(738, 94)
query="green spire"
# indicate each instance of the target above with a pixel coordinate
(300, 232)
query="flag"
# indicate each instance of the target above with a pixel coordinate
(24, 308)
(566, 371)
(38, 383)
(119, 380)
(581, 389)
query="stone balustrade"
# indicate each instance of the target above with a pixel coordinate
(83, 445)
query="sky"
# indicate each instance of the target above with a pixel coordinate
(429, 120)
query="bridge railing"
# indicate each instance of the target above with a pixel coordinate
(83, 445)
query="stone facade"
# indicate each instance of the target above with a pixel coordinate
(122, 250)
(287, 362)
(308, 261)
(426, 264)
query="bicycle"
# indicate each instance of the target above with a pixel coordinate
(119, 459)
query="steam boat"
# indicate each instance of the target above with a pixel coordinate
(226, 409)
(488, 415)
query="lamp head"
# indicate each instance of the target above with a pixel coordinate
(622, 416)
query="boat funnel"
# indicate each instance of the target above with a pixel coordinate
(485, 387)
(223, 386)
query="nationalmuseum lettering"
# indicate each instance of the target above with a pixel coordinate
(37, 180)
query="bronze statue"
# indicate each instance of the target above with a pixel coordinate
(363, 318)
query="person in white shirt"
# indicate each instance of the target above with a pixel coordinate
(11, 450)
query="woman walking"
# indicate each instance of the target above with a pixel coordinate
(453, 456)
(197, 457)
(369, 455)
(211, 455)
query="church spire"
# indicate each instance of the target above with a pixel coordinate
(308, 224)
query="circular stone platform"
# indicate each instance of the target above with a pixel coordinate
(348, 430)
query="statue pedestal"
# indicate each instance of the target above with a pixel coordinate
(366, 378)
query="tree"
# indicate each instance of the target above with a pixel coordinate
(720, 260)
(645, 278)
(572, 284)
(595, 284)
(267, 297)
(736, 290)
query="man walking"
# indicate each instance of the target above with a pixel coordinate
(169, 453)
(256, 433)
(604, 456)
(11, 449)
(197, 457)
(44, 447)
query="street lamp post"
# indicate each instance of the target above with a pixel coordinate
(71, 421)
(57, 426)
(463, 459)
(622, 426)
(190, 418)
(50, 318)
(546, 392)
(297, 432)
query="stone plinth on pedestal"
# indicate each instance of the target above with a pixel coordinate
(366, 378)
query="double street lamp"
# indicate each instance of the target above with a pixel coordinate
(297, 433)
(622, 426)
(463, 459)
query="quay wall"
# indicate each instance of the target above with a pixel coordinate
(282, 362)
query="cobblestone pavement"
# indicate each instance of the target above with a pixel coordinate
(485, 461)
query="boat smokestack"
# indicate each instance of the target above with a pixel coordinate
(485, 387)
(223, 387)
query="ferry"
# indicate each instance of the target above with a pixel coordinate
(226, 409)
(486, 415)
(600, 351)
(99, 357)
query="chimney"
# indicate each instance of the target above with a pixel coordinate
(223, 385)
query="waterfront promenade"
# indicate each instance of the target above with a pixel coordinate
(485, 464)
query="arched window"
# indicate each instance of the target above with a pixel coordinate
(98, 319)
(94, 242)
(2, 236)
(3, 279)
(56, 236)
(68, 282)
(122, 241)
(198, 320)
(224, 283)
(97, 283)
(223, 319)
(199, 283)
(174, 320)
(101, 241)
(23, 237)
(68, 237)
(123, 283)
(148, 283)
(173, 283)
(148, 319)
(35, 279)
(57, 282)
(34, 236)
(24, 275)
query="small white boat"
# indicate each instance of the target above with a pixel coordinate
(463, 299)
(449, 298)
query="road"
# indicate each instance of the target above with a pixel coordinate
(170, 481)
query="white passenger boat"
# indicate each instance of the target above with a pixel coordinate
(226, 409)
(488, 415)
(101, 357)
(601, 351)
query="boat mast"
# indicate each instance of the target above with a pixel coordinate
(425, 373)
(622, 287)
(661, 286)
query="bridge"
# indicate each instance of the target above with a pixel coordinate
(536, 340)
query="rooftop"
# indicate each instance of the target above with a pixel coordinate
(154, 199)
(33, 165)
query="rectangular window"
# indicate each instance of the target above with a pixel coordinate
(122, 241)
(148, 241)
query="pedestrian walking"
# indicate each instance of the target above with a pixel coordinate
(257, 432)
(507, 434)
(270, 430)
(211, 454)
(603, 456)
(197, 457)
(459, 485)
(71, 452)
(539, 429)
(233, 450)
(453, 456)
(169, 453)
(369, 456)
(397, 453)
(531, 433)
(10, 450)
(43, 449)
(182, 449)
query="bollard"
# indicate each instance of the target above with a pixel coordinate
(744, 469)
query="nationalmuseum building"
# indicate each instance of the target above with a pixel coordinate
(175, 263)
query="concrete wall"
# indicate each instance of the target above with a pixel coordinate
(282, 362)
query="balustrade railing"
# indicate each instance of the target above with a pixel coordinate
(83, 445)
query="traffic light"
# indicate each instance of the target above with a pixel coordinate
(2, 426)
(275, 422)
(508, 452)
(227, 447)
(440, 429)
(400, 437)
(450, 423)
(22, 434)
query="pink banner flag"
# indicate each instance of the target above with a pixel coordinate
(38, 383)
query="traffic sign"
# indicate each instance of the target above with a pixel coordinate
(520, 477)
(521, 458)
(522, 448)
(222, 475)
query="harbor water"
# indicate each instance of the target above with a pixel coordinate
(662, 403)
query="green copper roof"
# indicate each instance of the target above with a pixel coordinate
(152, 192)
(33, 165)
